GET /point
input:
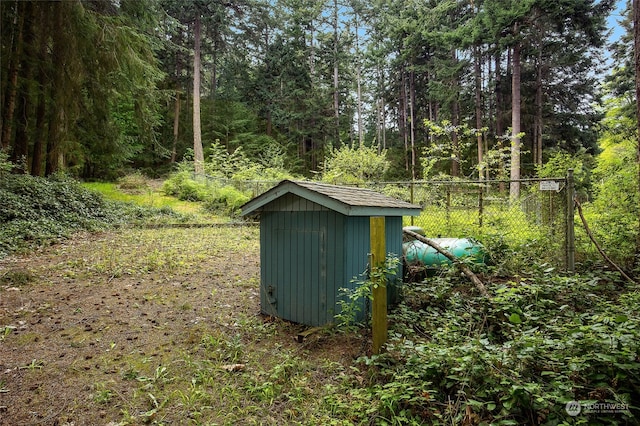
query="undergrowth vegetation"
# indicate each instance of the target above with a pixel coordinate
(37, 211)
(226, 185)
(542, 341)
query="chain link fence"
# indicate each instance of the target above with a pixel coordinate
(536, 222)
(534, 227)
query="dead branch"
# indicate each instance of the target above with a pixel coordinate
(593, 240)
(464, 268)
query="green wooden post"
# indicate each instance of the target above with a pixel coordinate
(379, 305)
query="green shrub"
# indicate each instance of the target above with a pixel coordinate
(35, 210)
(181, 185)
(238, 166)
(354, 165)
(613, 215)
(226, 200)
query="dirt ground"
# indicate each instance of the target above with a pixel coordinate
(77, 317)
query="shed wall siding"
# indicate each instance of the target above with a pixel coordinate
(298, 258)
(393, 234)
(358, 246)
(292, 203)
(309, 252)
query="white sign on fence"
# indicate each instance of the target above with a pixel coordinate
(549, 185)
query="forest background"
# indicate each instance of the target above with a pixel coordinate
(349, 91)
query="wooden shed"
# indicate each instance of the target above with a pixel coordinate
(314, 239)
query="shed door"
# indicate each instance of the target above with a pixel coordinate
(296, 269)
(302, 287)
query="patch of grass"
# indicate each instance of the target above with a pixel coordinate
(6, 331)
(102, 394)
(35, 364)
(148, 197)
(16, 277)
(196, 352)
(134, 183)
(27, 338)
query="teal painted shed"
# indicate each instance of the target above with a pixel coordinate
(314, 239)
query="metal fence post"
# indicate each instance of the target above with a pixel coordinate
(448, 208)
(570, 232)
(480, 206)
(411, 191)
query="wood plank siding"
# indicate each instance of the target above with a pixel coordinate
(314, 240)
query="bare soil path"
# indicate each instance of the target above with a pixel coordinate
(154, 327)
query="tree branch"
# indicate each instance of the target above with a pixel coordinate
(593, 240)
(465, 269)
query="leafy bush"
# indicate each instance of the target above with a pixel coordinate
(226, 200)
(437, 158)
(354, 165)
(559, 162)
(5, 164)
(238, 167)
(613, 214)
(229, 179)
(543, 340)
(223, 164)
(182, 185)
(354, 299)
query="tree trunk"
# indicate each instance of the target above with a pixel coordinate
(12, 83)
(359, 87)
(198, 154)
(20, 150)
(455, 120)
(477, 71)
(43, 89)
(214, 75)
(455, 139)
(176, 127)
(56, 113)
(537, 131)
(336, 88)
(412, 93)
(41, 113)
(636, 45)
(402, 116)
(382, 113)
(55, 130)
(514, 189)
(500, 130)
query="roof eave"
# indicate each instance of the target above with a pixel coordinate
(254, 206)
(381, 211)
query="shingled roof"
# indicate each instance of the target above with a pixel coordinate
(349, 201)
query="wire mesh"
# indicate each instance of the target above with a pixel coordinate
(484, 210)
(535, 222)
